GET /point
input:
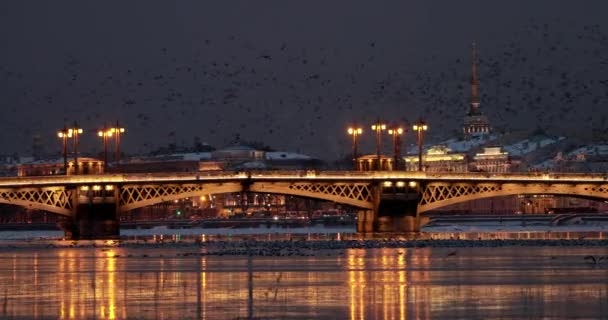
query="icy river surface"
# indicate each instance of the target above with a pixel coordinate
(57, 279)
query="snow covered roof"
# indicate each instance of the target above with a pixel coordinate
(526, 146)
(592, 150)
(600, 150)
(286, 156)
(252, 165)
(57, 161)
(190, 156)
(237, 148)
(459, 145)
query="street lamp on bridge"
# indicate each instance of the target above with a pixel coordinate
(378, 127)
(75, 132)
(105, 134)
(355, 132)
(396, 132)
(117, 132)
(64, 134)
(420, 126)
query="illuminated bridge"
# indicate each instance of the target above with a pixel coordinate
(387, 200)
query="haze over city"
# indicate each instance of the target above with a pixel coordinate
(296, 75)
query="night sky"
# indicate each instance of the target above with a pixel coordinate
(295, 74)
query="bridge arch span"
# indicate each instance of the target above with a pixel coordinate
(440, 194)
(354, 194)
(51, 199)
(138, 196)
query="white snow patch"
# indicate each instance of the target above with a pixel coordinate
(529, 145)
(278, 155)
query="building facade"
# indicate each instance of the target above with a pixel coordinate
(55, 167)
(438, 159)
(370, 163)
(494, 160)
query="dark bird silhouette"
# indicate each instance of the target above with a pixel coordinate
(591, 259)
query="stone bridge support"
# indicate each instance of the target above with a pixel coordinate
(395, 209)
(94, 215)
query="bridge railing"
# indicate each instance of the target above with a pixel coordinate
(38, 181)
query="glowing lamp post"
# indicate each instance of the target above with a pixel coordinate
(396, 133)
(355, 132)
(420, 127)
(72, 133)
(117, 132)
(64, 134)
(105, 134)
(378, 127)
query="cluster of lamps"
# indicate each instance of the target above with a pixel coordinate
(106, 134)
(395, 132)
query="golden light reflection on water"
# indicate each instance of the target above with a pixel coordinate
(166, 283)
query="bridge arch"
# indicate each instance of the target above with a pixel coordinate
(440, 194)
(354, 194)
(138, 196)
(51, 199)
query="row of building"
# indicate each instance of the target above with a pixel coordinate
(440, 158)
(231, 158)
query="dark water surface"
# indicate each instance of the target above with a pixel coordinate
(171, 282)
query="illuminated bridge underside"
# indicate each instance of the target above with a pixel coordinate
(440, 194)
(54, 199)
(137, 196)
(354, 194)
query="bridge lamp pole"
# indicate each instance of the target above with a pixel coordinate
(396, 133)
(105, 134)
(421, 126)
(355, 132)
(378, 127)
(75, 132)
(117, 132)
(64, 134)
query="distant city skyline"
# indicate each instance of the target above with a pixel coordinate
(295, 76)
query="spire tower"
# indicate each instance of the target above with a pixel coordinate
(475, 123)
(474, 83)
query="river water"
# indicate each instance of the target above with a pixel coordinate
(169, 281)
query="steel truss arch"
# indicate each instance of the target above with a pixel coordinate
(440, 194)
(52, 199)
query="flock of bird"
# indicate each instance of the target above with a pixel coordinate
(286, 95)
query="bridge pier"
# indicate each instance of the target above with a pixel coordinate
(365, 221)
(94, 221)
(394, 210)
(95, 216)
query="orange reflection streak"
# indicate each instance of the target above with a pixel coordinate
(385, 283)
(356, 284)
(351, 283)
(423, 296)
(402, 285)
(67, 270)
(361, 285)
(15, 269)
(203, 285)
(61, 269)
(111, 269)
(36, 283)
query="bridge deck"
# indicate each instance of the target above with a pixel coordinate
(286, 176)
